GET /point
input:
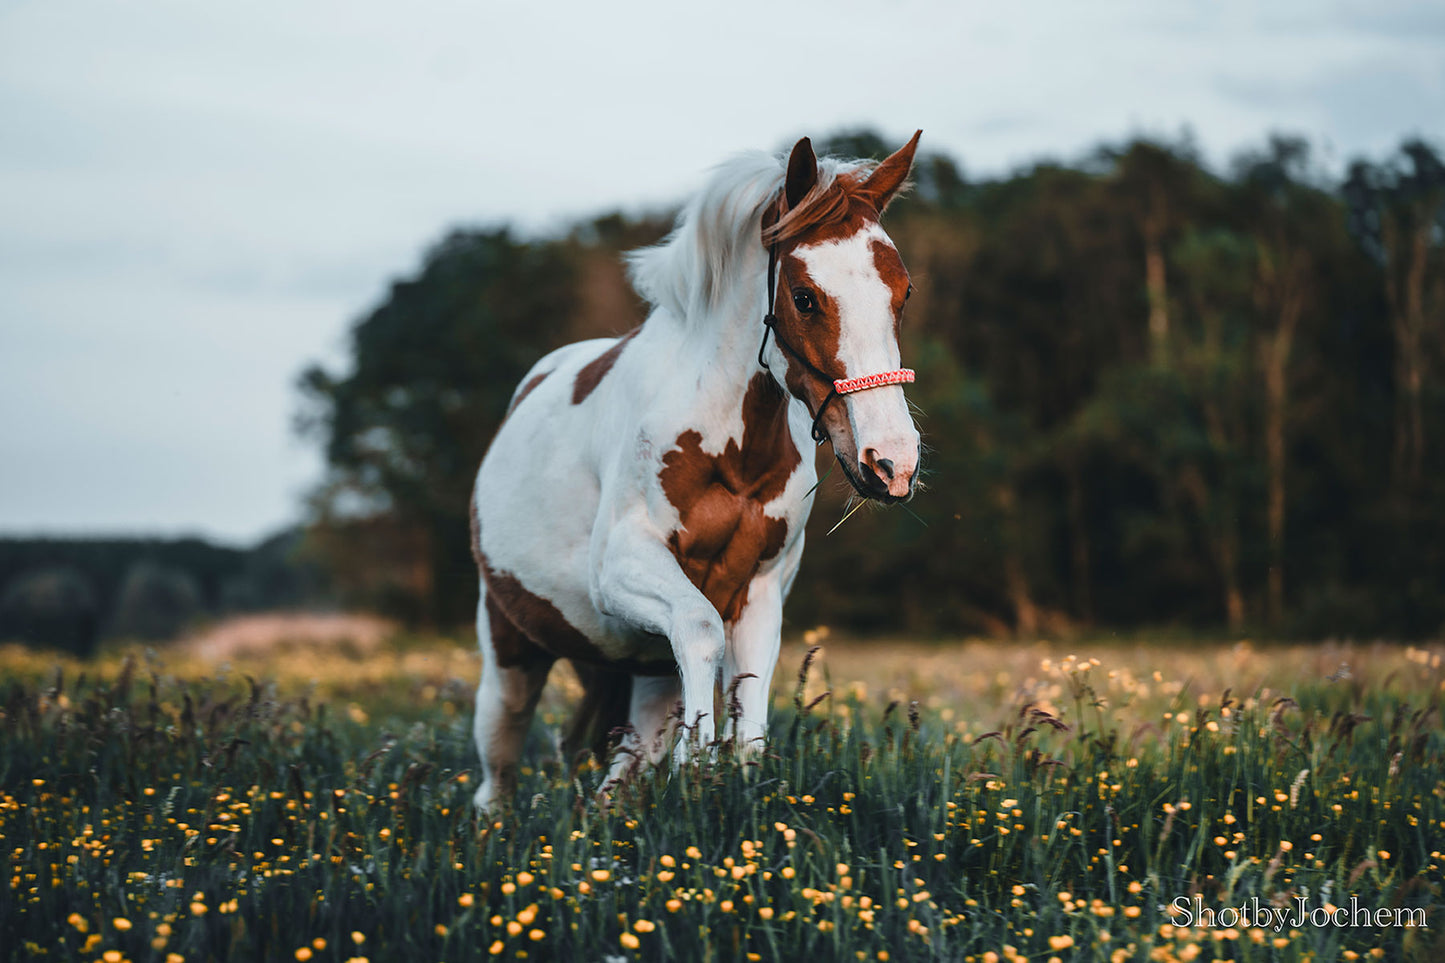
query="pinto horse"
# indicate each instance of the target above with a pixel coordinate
(641, 509)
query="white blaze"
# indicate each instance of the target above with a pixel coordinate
(847, 275)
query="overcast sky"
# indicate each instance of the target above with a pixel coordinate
(197, 199)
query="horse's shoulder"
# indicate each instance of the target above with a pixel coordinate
(600, 362)
(567, 359)
(560, 365)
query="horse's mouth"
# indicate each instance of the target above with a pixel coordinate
(877, 494)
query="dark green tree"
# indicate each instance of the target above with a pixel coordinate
(1398, 211)
(51, 607)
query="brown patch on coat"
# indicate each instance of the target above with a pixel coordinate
(595, 370)
(527, 387)
(889, 266)
(538, 622)
(511, 646)
(725, 536)
(815, 335)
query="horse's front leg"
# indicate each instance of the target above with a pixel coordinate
(638, 581)
(752, 655)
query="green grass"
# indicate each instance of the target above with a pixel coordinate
(1019, 810)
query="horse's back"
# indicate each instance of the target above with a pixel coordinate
(545, 419)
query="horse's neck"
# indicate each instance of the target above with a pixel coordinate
(721, 345)
(714, 361)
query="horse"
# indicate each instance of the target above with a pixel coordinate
(640, 510)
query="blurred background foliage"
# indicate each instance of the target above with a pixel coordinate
(1153, 394)
(70, 594)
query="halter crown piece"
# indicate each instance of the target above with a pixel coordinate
(840, 386)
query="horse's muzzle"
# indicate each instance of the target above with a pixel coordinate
(881, 479)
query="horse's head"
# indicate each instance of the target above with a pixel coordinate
(836, 315)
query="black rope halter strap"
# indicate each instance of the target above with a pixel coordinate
(770, 321)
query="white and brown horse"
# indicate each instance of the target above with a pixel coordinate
(641, 509)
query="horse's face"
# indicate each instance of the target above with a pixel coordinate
(839, 302)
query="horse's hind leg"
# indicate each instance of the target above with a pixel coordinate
(654, 708)
(514, 671)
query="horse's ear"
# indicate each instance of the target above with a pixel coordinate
(802, 172)
(888, 177)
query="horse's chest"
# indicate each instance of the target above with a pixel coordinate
(724, 535)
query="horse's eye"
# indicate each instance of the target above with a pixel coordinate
(803, 301)
(909, 293)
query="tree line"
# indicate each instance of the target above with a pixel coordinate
(72, 593)
(1152, 394)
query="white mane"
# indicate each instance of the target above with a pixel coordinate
(690, 273)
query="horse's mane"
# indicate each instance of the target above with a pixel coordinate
(690, 273)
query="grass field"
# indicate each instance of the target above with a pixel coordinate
(976, 802)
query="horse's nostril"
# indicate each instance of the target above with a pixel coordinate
(878, 472)
(873, 463)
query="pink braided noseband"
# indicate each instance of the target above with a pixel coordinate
(897, 377)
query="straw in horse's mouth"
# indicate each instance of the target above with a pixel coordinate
(847, 515)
